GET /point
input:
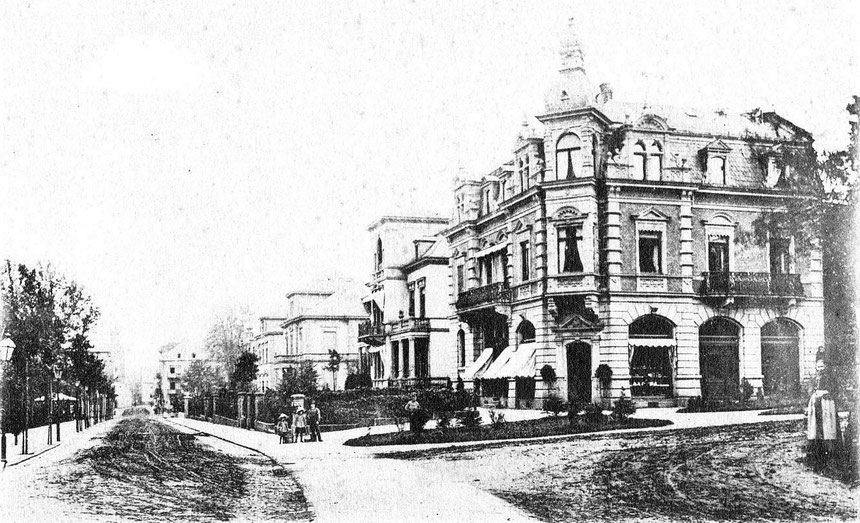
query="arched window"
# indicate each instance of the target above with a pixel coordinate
(654, 170)
(461, 347)
(525, 332)
(568, 163)
(639, 161)
(651, 326)
(378, 253)
(780, 357)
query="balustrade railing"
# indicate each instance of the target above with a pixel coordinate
(410, 325)
(750, 284)
(498, 292)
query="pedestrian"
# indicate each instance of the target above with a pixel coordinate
(413, 410)
(823, 434)
(300, 421)
(314, 422)
(283, 427)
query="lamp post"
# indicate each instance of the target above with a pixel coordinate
(58, 375)
(7, 346)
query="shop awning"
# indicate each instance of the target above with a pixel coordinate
(491, 250)
(498, 364)
(653, 342)
(477, 367)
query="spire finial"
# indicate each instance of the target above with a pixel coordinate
(571, 49)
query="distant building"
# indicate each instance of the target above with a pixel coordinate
(173, 359)
(405, 337)
(318, 322)
(267, 343)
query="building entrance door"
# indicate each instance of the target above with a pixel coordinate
(579, 372)
(719, 362)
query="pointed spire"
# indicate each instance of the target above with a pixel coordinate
(572, 57)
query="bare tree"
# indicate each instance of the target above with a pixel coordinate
(227, 339)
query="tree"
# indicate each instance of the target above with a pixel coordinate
(158, 394)
(245, 372)
(227, 339)
(201, 379)
(334, 361)
(301, 380)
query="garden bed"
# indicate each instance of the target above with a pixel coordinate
(778, 405)
(551, 426)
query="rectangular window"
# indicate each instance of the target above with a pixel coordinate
(411, 301)
(488, 269)
(650, 252)
(525, 260)
(405, 358)
(172, 385)
(569, 241)
(173, 370)
(461, 284)
(395, 359)
(718, 254)
(330, 340)
(422, 302)
(487, 201)
(779, 256)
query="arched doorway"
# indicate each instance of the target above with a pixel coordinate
(579, 372)
(719, 360)
(652, 344)
(780, 357)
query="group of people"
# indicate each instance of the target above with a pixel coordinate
(294, 428)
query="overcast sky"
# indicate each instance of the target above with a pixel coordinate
(178, 158)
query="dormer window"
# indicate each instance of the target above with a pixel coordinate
(568, 163)
(654, 169)
(714, 157)
(487, 200)
(640, 161)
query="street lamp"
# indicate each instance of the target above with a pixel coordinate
(7, 346)
(58, 375)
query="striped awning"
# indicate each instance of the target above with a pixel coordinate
(477, 367)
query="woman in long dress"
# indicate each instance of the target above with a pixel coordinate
(823, 433)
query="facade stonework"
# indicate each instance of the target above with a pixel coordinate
(625, 234)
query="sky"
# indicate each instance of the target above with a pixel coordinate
(182, 158)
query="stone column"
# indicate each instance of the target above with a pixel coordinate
(472, 276)
(613, 238)
(186, 398)
(686, 241)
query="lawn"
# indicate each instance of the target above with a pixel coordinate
(752, 472)
(551, 426)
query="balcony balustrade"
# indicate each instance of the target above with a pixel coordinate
(410, 325)
(373, 333)
(487, 295)
(751, 284)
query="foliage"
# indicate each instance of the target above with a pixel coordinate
(158, 394)
(49, 318)
(746, 390)
(547, 374)
(358, 381)
(604, 375)
(511, 430)
(497, 419)
(177, 402)
(301, 380)
(443, 423)
(593, 414)
(245, 372)
(226, 339)
(333, 365)
(469, 419)
(623, 407)
(460, 386)
(553, 404)
(200, 379)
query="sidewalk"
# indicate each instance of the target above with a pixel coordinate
(38, 441)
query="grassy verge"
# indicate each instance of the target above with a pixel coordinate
(553, 426)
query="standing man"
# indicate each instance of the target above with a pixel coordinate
(413, 410)
(314, 422)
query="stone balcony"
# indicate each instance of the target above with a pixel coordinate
(493, 294)
(410, 325)
(371, 333)
(750, 285)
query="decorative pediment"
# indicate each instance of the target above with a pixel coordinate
(569, 214)
(652, 121)
(717, 146)
(577, 322)
(651, 214)
(720, 219)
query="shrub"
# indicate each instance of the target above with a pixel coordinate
(460, 385)
(497, 419)
(593, 413)
(553, 403)
(469, 418)
(547, 373)
(623, 408)
(444, 422)
(604, 376)
(695, 404)
(746, 390)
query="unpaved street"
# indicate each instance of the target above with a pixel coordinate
(741, 472)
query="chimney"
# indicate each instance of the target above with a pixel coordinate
(605, 93)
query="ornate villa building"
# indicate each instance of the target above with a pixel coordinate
(405, 340)
(622, 234)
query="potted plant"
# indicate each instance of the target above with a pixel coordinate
(604, 377)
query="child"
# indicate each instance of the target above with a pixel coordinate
(283, 427)
(300, 421)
